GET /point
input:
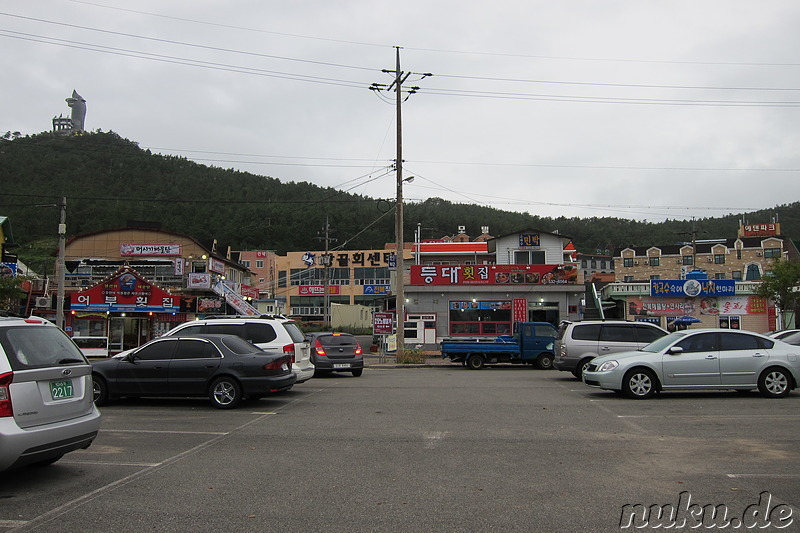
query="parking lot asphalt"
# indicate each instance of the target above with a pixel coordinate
(432, 448)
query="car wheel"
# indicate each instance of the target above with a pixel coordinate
(775, 383)
(99, 390)
(545, 361)
(225, 393)
(357, 372)
(639, 384)
(583, 365)
(476, 361)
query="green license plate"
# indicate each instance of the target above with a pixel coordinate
(61, 390)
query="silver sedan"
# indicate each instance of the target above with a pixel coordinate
(715, 359)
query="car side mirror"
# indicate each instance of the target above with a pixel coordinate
(675, 350)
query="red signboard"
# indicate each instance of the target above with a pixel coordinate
(382, 323)
(494, 274)
(316, 290)
(126, 290)
(760, 230)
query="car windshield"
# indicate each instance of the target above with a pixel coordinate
(659, 345)
(37, 347)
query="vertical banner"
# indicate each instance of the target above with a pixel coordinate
(520, 310)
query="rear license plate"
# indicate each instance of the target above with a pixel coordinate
(341, 365)
(61, 390)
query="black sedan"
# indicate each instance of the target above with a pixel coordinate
(225, 368)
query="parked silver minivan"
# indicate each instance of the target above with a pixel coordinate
(578, 343)
(46, 396)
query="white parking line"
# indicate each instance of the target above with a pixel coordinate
(433, 438)
(167, 432)
(716, 417)
(109, 463)
(768, 476)
(12, 523)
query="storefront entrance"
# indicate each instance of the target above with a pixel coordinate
(126, 333)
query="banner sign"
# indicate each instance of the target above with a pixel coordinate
(493, 274)
(317, 290)
(520, 309)
(125, 291)
(732, 305)
(215, 265)
(198, 280)
(692, 287)
(760, 230)
(382, 323)
(149, 249)
(464, 305)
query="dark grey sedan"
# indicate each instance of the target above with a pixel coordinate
(336, 352)
(224, 368)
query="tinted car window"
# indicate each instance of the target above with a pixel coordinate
(617, 333)
(734, 341)
(646, 334)
(337, 340)
(225, 329)
(588, 332)
(190, 330)
(37, 347)
(195, 349)
(294, 332)
(157, 351)
(259, 333)
(702, 342)
(240, 346)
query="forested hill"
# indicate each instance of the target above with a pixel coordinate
(109, 181)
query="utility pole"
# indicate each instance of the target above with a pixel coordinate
(399, 305)
(326, 264)
(397, 85)
(60, 266)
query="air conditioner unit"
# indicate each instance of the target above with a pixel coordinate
(42, 301)
(636, 262)
(710, 259)
(759, 254)
(679, 261)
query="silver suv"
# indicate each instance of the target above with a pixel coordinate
(578, 343)
(46, 407)
(272, 333)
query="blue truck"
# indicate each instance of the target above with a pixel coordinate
(532, 343)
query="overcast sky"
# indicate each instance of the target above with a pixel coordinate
(637, 108)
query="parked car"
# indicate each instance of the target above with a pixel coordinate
(700, 359)
(794, 338)
(577, 343)
(336, 352)
(782, 334)
(275, 334)
(46, 407)
(225, 368)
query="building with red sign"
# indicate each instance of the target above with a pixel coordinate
(132, 284)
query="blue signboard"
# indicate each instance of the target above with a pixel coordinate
(377, 289)
(528, 240)
(692, 287)
(8, 270)
(392, 261)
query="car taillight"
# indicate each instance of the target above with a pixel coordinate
(289, 350)
(6, 409)
(318, 348)
(358, 349)
(277, 364)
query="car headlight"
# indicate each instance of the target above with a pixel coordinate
(608, 365)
